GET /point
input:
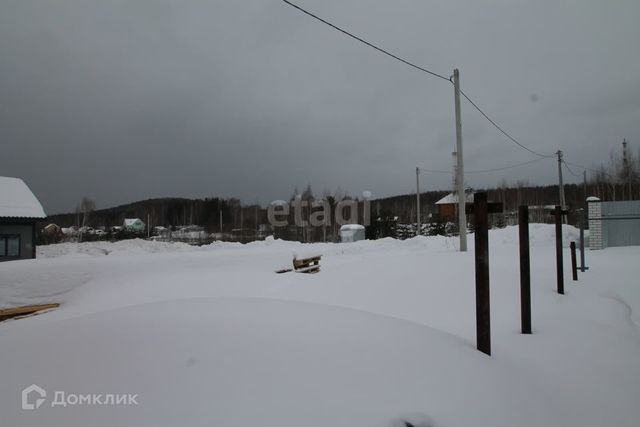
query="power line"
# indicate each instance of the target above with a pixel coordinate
(485, 170)
(508, 167)
(411, 64)
(569, 169)
(579, 166)
(361, 40)
(596, 171)
(512, 139)
(434, 171)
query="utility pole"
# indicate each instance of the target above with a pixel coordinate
(462, 216)
(563, 204)
(625, 162)
(583, 220)
(418, 229)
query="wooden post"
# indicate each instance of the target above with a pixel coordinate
(574, 264)
(483, 318)
(525, 269)
(559, 264)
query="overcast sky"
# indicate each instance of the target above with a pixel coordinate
(123, 100)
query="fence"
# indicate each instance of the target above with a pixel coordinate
(613, 223)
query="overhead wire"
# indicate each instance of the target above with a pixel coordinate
(413, 65)
(360, 39)
(507, 167)
(433, 170)
(596, 171)
(569, 169)
(505, 133)
(486, 170)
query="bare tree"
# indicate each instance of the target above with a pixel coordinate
(86, 207)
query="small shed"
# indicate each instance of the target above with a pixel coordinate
(448, 205)
(352, 233)
(133, 224)
(19, 211)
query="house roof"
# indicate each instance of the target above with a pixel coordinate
(453, 198)
(131, 221)
(351, 227)
(17, 200)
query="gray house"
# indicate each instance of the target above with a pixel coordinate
(19, 211)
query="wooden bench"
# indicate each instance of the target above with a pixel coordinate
(307, 265)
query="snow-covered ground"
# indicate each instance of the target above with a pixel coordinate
(211, 336)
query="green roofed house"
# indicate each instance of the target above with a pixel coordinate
(19, 211)
(134, 225)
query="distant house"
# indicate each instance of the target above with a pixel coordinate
(134, 225)
(52, 230)
(19, 211)
(448, 205)
(162, 233)
(352, 233)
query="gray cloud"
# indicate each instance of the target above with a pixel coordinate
(124, 100)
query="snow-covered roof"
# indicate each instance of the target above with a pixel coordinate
(352, 227)
(131, 221)
(453, 198)
(17, 200)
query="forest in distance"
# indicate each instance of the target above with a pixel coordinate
(619, 179)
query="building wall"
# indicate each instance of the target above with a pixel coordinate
(27, 245)
(347, 236)
(447, 211)
(614, 224)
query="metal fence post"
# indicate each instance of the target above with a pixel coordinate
(525, 269)
(574, 264)
(583, 220)
(483, 318)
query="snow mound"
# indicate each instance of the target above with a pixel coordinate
(250, 362)
(101, 248)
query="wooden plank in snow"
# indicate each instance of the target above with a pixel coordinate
(24, 310)
(307, 265)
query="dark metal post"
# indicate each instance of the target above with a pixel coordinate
(525, 269)
(483, 318)
(574, 264)
(583, 215)
(559, 264)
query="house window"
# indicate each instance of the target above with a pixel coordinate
(9, 245)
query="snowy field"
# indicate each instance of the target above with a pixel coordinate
(211, 336)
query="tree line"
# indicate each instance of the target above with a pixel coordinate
(617, 179)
